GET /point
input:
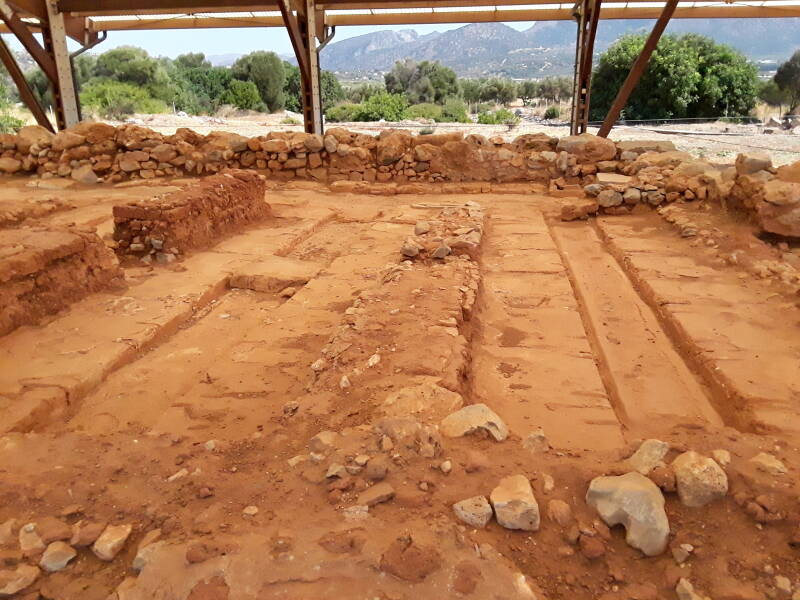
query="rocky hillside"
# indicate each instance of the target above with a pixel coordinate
(546, 48)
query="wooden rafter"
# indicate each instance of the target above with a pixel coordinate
(25, 91)
(20, 29)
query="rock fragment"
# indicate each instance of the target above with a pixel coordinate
(472, 418)
(29, 541)
(12, 582)
(380, 492)
(111, 541)
(559, 512)
(685, 591)
(474, 511)
(769, 464)
(648, 456)
(635, 502)
(536, 441)
(409, 561)
(699, 479)
(85, 533)
(323, 441)
(514, 504)
(723, 457)
(57, 556)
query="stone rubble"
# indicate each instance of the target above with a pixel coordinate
(111, 541)
(473, 418)
(57, 556)
(635, 502)
(514, 504)
(648, 456)
(699, 479)
(475, 512)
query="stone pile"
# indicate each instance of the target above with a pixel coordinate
(44, 270)
(50, 545)
(457, 230)
(164, 227)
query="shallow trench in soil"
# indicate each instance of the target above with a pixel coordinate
(189, 401)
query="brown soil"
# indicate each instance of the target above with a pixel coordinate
(187, 402)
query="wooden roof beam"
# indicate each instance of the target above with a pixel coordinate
(143, 7)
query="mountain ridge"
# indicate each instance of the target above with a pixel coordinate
(546, 48)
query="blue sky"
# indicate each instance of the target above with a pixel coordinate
(239, 41)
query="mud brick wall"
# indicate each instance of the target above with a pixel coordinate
(42, 271)
(161, 228)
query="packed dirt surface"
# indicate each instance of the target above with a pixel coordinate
(409, 397)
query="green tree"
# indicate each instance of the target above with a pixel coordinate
(769, 93)
(787, 78)
(471, 90)
(40, 86)
(359, 93)
(728, 81)
(192, 60)
(127, 64)
(242, 94)
(266, 71)
(529, 90)
(85, 67)
(687, 76)
(329, 87)
(208, 84)
(555, 89)
(424, 82)
(499, 90)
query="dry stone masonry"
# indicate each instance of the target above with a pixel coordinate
(616, 176)
(163, 227)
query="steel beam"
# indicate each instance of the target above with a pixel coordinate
(638, 67)
(25, 91)
(301, 28)
(311, 15)
(65, 93)
(588, 15)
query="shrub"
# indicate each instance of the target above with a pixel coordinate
(113, 99)
(342, 113)
(552, 112)
(428, 111)
(454, 111)
(498, 117)
(9, 123)
(383, 106)
(289, 121)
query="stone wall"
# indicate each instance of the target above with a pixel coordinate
(91, 152)
(162, 228)
(771, 196)
(42, 271)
